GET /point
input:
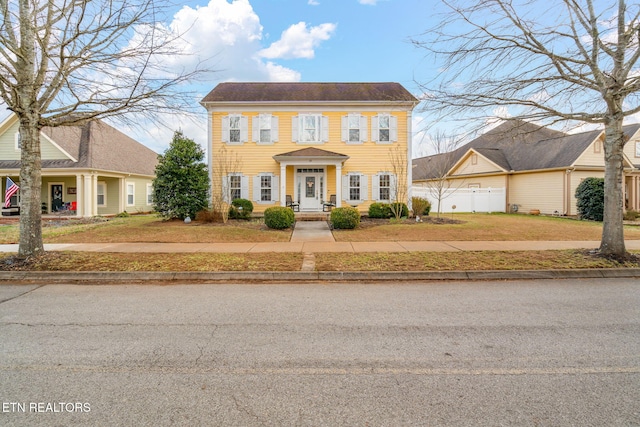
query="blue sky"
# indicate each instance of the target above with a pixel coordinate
(298, 40)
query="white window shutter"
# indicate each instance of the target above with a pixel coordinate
(244, 129)
(345, 187)
(363, 128)
(375, 187)
(225, 189)
(325, 128)
(295, 135)
(244, 190)
(225, 129)
(275, 188)
(255, 129)
(393, 191)
(375, 134)
(256, 188)
(393, 131)
(364, 188)
(345, 129)
(274, 128)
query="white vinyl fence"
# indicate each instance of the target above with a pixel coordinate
(465, 199)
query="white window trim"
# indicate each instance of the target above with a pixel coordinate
(297, 129)
(346, 128)
(132, 194)
(256, 128)
(637, 148)
(393, 128)
(275, 189)
(17, 141)
(244, 186)
(393, 183)
(149, 194)
(226, 129)
(104, 194)
(364, 188)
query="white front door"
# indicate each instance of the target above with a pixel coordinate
(311, 188)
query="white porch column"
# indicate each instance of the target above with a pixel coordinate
(79, 196)
(122, 197)
(338, 185)
(88, 196)
(94, 195)
(283, 184)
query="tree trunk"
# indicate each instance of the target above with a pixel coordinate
(30, 188)
(612, 244)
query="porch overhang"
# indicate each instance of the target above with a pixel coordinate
(311, 155)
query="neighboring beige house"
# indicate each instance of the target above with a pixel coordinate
(310, 143)
(86, 170)
(540, 168)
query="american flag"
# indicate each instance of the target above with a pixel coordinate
(12, 188)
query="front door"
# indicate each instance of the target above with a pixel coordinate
(310, 192)
(56, 197)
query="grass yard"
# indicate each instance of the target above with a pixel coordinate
(470, 227)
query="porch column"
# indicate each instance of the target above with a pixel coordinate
(88, 196)
(122, 196)
(283, 184)
(338, 185)
(79, 196)
(94, 195)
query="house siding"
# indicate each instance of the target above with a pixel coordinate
(482, 165)
(367, 158)
(592, 156)
(140, 204)
(543, 191)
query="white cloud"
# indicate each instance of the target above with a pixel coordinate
(368, 2)
(299, 41)
(313, 2)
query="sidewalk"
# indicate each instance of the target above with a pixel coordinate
(311, 237)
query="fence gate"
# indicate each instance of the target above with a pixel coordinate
(465, 199)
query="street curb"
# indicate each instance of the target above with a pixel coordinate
(111, 277)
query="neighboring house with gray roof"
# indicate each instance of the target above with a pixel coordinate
(540, 168)
(86, 170)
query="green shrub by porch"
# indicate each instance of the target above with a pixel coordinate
(379, 210)
(590, 199)
(240, 209)
(279, 217)
(421, 206)
(345, 218)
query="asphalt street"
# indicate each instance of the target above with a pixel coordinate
(459, 353)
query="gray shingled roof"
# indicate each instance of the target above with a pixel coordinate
(308, 92)
(97, 145)
(514, 146)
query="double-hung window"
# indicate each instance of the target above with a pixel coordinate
(354, 129)
(384, 128)
(236, 187)
(265, 188)
(235, 129)
(310, 128)
(265, 129)
(354, 187)
(102, 193)
(131, 195)
(384, 187)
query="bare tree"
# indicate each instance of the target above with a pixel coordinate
(67, 62)
(435, 168)
(566, 61)
(226, 182)
(398, 181)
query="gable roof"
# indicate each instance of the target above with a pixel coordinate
(96, 145)
(308, 92)
(310, 152)
(515, 146)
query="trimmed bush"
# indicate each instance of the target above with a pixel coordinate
(590, 199)
(279, 217)
(379, 210)
(421, 207)
(345, 218)
(631, 215)
(244, 213)
(399, 210)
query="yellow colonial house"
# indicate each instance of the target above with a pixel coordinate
(309, 144)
